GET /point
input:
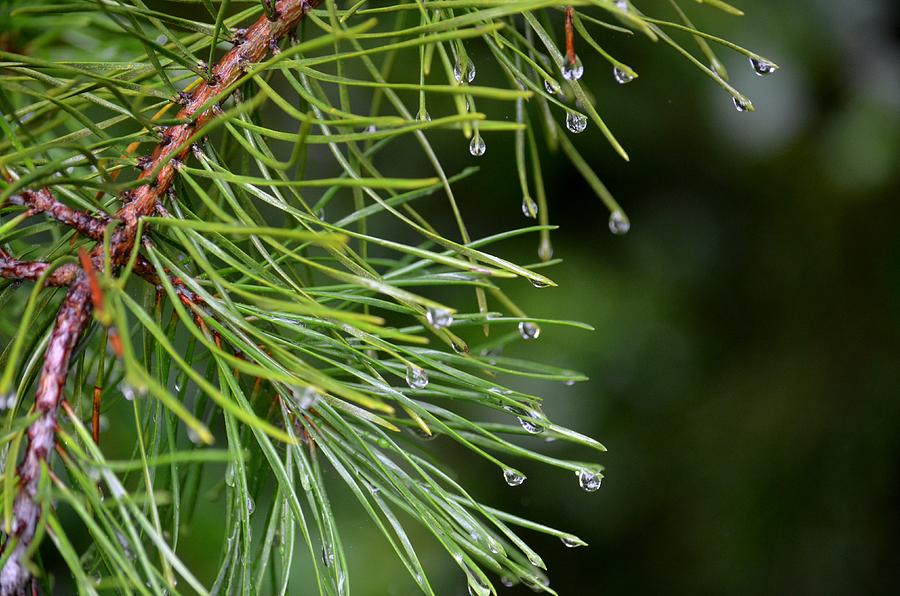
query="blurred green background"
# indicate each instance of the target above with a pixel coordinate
(746, 363)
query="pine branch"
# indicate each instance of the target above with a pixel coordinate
(261, 38)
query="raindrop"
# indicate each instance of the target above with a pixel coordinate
(305, 398)
(513, 478)
(127, 390)
(478, 590)
(459, 346)
(539, 284)
(545, 250)
(193, 436)
(251, 506)
(576, 122)
(622, 4)
(529, 330)
(571, 541)
(622, 77)
(761, 67)
(572, 71)
(229, 475)
(535, 560)
(8, 401)
(477, 146)
(529, 208)
(423, 115)
(438, 317)
(327, 556)
(530, 426)
(569, 383)
(416, 377)
(619, 223)
(371, 128)
(552, 86)
(741, 104)
(507, 581)
(466, 75)
(589, 481)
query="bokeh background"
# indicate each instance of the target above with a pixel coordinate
(745, 368)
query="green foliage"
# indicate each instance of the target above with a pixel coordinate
(316, 346)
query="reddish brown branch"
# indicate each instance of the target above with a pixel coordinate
(73, 315)
(570, 35)
(17, 270)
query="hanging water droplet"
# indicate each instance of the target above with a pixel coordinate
(371, 128)
(576, 122)
(193, 436)
(622, 5)
(126, 546)
(536, 560)
(741, 104)
(512, 477)
(530, 426)
(761, 67)
(229, 475)
(494, 546)
(569, 383)
(589, 481)
(305, 482)
(459, 346)
(478, 590)
(529, 208)
(572, 71)
(552, 86)
(416, 377)
(438, 317)
(127, 390)
(571, 541)
(619, 223)
(545, 250)
(529, 330)
(622, 77)
(507, 582)
(539, 284)
(477, 147)
(466, 75)
(251, 505)
(423, 115)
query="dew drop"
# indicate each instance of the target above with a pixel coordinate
(572, 71)
(530, 426)
(438, 317)
(229, 475)
(545, 250)
(576, 122)
(571, 541)
(622, 77)
(193, 436)
(513, 478)
(552, 86)
(464, 76)
(459, 346)
(622, 5)
(327, 556)
(761, 67)
(251, 506)
(416, 377)
(127, 390)
(371, 128)
(741, 104)
(529, 330)
(507, 581)
(305, 398)
(619, 223)
(423, 116)
(8, 401)
(589, 481)
(529, 208)
(477, 147)
(569, 383)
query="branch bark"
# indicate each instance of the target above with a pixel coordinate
(72, 318)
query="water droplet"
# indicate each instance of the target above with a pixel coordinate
(529, 330)
(229, 475)
(545, 250)
(571, 541)
(619, 223)
(741, 104)
(512, 477)
(327, 556)
(589, 481)
(475, 590)
(371, 128)
(529, 208)
(193, 436)
(622, 77)
(622, 4)
(251, 506)
(507, 581)
(552, 86)
(126, 546)
(416, 377)
(576, 122)
(530, 426)
(761, 67)
(127, 390)
(8, 401)
(569, 383)
(477, 147)
(305, 398)
(572, 72)
(423, 116)
(536, 560)
(539, 284)
(438, 317)
(305, 482)
(463, 77)
(459, 346)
